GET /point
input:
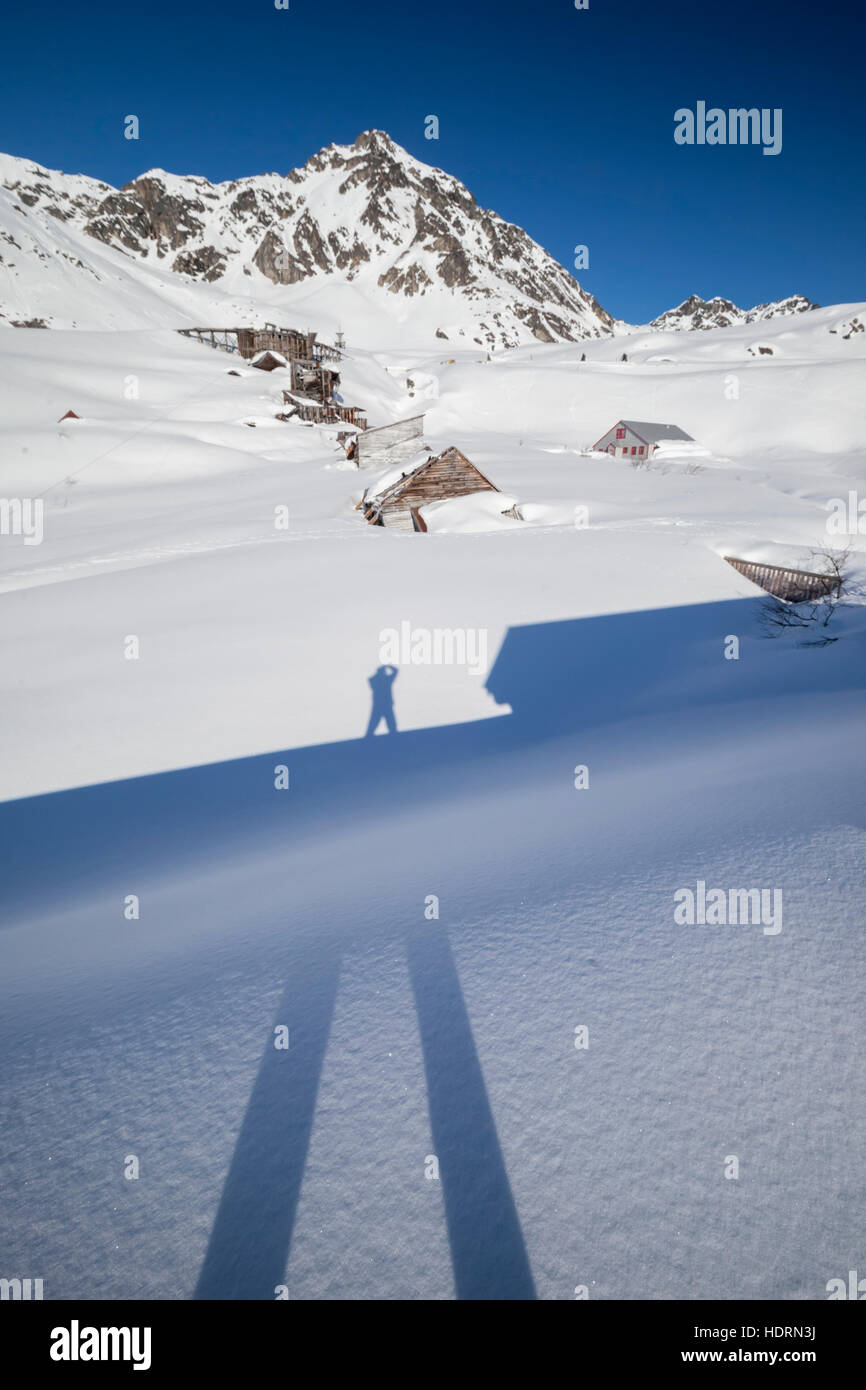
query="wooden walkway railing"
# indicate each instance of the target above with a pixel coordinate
(224, 338)
(795, 586)
(250, 341)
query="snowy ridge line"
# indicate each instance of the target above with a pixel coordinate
(394, 231)
(368, 218)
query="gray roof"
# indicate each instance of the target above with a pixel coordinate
(653, 433)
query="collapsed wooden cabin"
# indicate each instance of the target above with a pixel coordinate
(315, 382)
(298, 407)
(395, 498)
(387, 445)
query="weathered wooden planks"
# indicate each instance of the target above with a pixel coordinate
(319, 413)
(795, 586)
(445, 475)
(291, 342)
(387, 445)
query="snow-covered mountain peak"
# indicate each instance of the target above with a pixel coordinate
(695, 312)
(409, 237)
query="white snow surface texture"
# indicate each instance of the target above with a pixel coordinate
(429, 918)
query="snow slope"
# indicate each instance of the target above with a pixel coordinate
(363, 237)
(174, 495)
(606, 618)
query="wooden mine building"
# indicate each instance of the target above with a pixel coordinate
(387, 445)
(291, 342)
(312, 395)
(249, 342)
(394, 500)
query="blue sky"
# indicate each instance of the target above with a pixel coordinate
(561, 120)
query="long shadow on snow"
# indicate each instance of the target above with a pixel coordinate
(557, 677)
(252, 1232)
(487, 1249)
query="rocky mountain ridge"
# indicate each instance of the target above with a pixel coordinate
(697, 313)
(367, 214)
(365, 225)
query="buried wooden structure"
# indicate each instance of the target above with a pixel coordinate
(269, 361)
(397, 501)
(291, 342)
(312, 395)
(321, 413)
(794, 586)
(312, 380)
(387, 445)
(308, 378)
(248, 342)
(226, 339)
(300, 406)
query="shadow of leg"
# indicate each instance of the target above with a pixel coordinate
(487, 1249)
(249, 1244)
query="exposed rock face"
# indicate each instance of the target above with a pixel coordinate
(849, 328)
(413, 279)
(367, 212)
(121, 218)
(795, 304)
(206, 264)
(277, 263)
(695, 312)
(74, 196)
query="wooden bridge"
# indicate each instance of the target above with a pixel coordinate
(291, 343)
(794, 586)
(224, 338)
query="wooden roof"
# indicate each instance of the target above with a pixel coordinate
(407, 480)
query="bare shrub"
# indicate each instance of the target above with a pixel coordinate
(813, 616)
